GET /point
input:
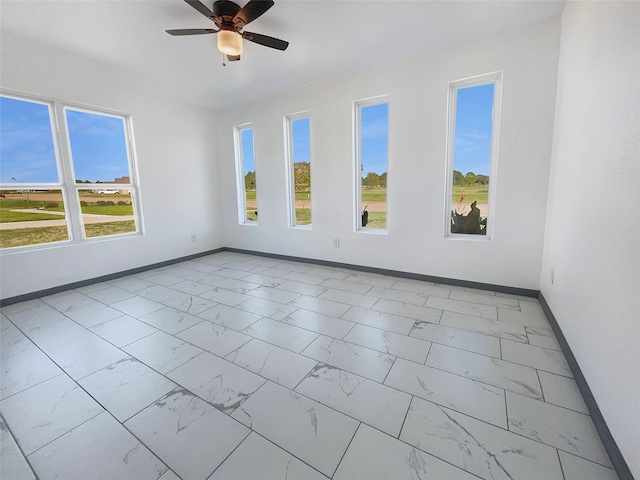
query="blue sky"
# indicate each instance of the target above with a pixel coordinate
(374, 138)
(98, 144)
(26, 142)
(248, 157)
(474, 112)
(301, 140)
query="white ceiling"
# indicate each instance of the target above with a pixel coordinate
(125, 40)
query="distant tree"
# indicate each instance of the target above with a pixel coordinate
(250, 181)
(482, 179)
(372, 180)
(458, 178)
(383, 180)
(302, 176)
(470, 178)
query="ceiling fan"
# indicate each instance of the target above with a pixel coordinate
(230, 20)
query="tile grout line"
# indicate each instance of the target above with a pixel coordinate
(20, 450)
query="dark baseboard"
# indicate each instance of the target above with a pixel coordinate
(525, 292)
(112, 276)
(610, 445)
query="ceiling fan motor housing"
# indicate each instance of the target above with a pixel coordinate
(224, 11)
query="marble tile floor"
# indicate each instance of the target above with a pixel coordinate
(233, 366)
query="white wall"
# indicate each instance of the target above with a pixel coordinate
(176, 163)
(417, 90)
(593, 229)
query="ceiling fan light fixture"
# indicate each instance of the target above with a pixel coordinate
(229, 42)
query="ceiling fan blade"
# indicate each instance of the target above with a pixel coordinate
(265, 40)
(233, 58)
(191, 31)
(251, 11)
(200, 7)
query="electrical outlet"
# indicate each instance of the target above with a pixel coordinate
(336, 242)
(193, 238)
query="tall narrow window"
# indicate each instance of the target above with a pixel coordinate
(99, 146)
(298, 141)
(474, 112)
(372, 147)
(32, 208)
(246, 175)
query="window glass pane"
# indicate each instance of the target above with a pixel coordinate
(27, 150)
(301, 152)
(98, 147)
(472, 159)
(99, 154)
(374, 135)
(107, 212)
(249, 172)
(29, 217)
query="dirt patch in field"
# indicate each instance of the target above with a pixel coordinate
(371, 206)
(56, 197)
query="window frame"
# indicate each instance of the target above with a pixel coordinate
(290, 170)
(494, 78)
(357, 162)
(66, 174)
(240, 182)
(132, 186)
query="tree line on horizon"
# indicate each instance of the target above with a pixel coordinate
(470, 178)
(302, 178)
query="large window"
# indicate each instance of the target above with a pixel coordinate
(246, 175)
(298, 156)
(371, 163)
(474, 112)
(74, 190)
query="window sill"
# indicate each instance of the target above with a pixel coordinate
(468, 237)
(373, 231)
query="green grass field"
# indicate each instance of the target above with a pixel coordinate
(32, 236)
(37, 235)
(8, 204)
(377, 220)
(303, 216)
(473, 194)
(94, 208)
(303, 196)
(112, 228)
(374, 194)
(107, 209)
